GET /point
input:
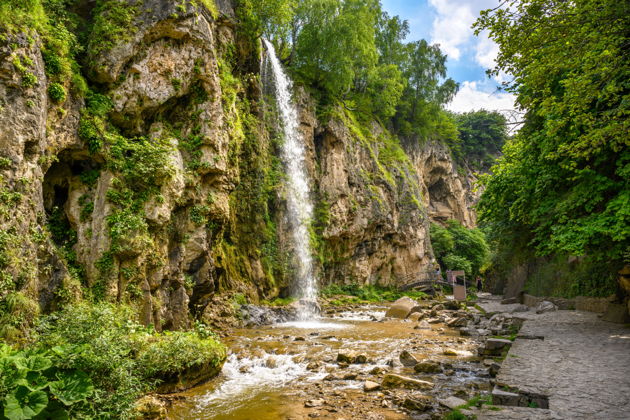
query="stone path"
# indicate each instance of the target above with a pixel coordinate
(582, 365)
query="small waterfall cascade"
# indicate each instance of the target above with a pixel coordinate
(299, 205)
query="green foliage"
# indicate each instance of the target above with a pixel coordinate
(113, 23)
(482, 134)
(457, 262)
(57, 92)
(18, 313)
(5, 163)
(368, 293)
(336, 44)
(279, 301)
(33, 387)
(29, 80)
(459, 248)
(121, 358)
(93, 126)
(562, 185)
(269, 18)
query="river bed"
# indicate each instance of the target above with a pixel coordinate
(291, 370)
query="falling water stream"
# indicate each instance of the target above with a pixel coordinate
(272, 370)
(299, 205)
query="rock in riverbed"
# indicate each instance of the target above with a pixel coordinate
(428, 366)
(397, 381)
(401, 308)
(407, 359)
(418, 403)
(370, 386)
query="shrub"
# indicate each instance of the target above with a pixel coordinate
(33, 386)
(459, 248)
(368, 293)
(122, 358)
(57, 92)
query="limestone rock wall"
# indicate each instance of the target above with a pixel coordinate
(173, 200)
(448, 190)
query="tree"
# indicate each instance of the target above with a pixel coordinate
(459, 248)
(335, 43)
(482, 134)
(424, 67)
(564, 182)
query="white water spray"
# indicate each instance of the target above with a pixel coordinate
(299, 206)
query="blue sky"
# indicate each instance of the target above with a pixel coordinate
(447, 22)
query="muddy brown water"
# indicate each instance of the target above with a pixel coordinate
(267, 375)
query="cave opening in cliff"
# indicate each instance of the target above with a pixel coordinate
(60, 179)
(438, 191)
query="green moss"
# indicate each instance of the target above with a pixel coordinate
(114, 22)
(199, 214)
(57, 92)
(29, 80)
(177, 84)
(210, 6)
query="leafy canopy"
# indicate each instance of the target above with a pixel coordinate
(563, 184)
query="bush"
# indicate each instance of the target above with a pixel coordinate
(459, 248)
(122, 358)
(456, 262)
(367, 293)
(57, 92)
(33, 386)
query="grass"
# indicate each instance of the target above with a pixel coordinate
(478, 401)
(279, 301)
(354, 293)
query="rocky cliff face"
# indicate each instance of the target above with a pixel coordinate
(160, 184)
(448, 189)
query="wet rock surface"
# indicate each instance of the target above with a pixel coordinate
(347, 366)
(360, 364)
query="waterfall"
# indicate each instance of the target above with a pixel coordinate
(299, 206)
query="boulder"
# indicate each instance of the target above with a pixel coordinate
(314, 403)
(497, 343)
(449, 352)
(150, 407)
(428, 366)
(616, 313)
(509, 301)
(407, 359)
(351, 358)
(415, 316)
(452, 305)
(377, 370)
(457, 322)
(418, 403)
(500, 397)
(423, 325)
(397, 381)
(438, 307)
(451, 402)
(545, 306)
(521, 308)
(369, 386)
(401, 308)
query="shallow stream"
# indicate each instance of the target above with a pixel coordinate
(274, 372)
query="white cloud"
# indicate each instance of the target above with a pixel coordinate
(486, 51)
(451, 28)
(471, 98)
